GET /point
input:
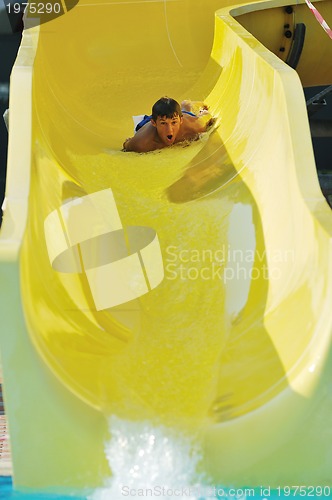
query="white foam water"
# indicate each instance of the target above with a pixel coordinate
(151, 462)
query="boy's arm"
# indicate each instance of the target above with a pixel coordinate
(204, 119)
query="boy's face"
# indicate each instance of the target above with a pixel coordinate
(167, 128)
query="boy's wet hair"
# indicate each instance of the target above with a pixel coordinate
(166, 106)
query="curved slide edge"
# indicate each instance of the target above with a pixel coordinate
(42, 419)
(271, 161)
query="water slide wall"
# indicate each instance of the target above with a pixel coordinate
(220, 324)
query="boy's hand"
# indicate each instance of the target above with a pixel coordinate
(196, 107)
(125, 142)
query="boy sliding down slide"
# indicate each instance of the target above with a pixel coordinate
(169, 124)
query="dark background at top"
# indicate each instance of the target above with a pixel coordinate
(9, 44)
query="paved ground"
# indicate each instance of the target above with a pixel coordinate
(5, 460)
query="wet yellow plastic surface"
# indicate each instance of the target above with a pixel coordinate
(241, 320)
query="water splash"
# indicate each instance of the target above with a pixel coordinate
(152, 462)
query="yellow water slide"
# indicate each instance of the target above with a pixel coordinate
(189, 286)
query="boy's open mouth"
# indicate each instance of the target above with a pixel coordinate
(170, 137)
